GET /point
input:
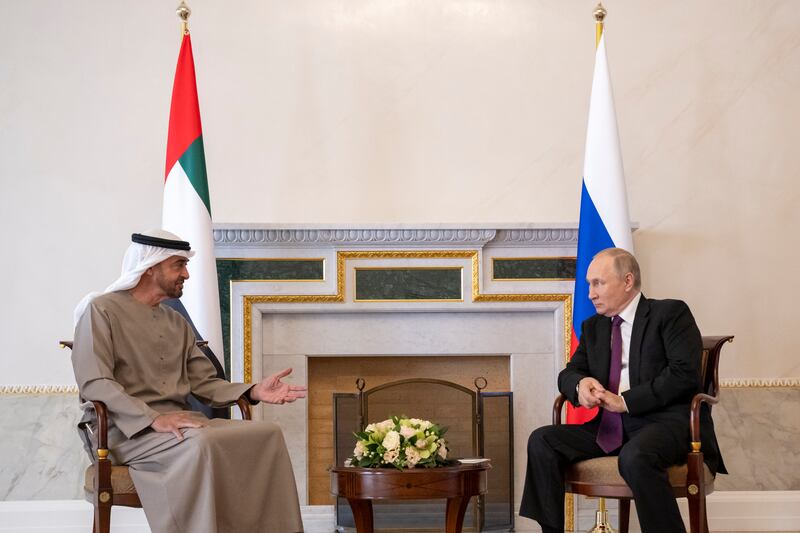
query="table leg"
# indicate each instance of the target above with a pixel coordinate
(362, 513)
(455, 513)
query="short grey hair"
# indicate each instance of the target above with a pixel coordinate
(624, 263)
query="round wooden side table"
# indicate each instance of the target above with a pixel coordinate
(455, 483)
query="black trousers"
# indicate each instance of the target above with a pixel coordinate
(649, 448)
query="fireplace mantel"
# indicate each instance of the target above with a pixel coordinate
(469, 290)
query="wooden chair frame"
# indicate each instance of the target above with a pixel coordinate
(102, 495)
(694, 489)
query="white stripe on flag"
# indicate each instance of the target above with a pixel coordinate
(603, 173)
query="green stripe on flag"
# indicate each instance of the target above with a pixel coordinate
(193, 162)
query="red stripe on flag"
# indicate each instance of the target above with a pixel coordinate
(578, 415)
(184, 113)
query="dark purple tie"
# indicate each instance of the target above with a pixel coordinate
(609, 436)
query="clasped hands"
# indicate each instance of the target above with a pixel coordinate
(269, 390)
(591, 393)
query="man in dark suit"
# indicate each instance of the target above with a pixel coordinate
(638, 361)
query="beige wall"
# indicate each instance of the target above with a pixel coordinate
(358, 111)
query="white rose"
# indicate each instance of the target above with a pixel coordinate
(442, 451)
(407, 432)
(391, 456)
(412, 456)
(391, 441)
(383, 427)
(360, 450)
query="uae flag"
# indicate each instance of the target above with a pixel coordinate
(187, 206)
(604, 221)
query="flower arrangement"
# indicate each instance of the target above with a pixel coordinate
(400, 442)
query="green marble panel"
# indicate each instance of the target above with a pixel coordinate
(539, 268)
(258, 270)
(408, 284)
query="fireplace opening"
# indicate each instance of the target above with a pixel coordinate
(437, 388)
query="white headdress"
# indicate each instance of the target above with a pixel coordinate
(147, 250)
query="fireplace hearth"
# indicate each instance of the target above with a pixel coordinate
(479, 425)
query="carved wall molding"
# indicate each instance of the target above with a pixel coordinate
(231, 235)
(739, 383)
(261, 237)
(22, 390)
(747, 383)
(537, 237)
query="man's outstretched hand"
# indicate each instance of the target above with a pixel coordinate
(273, 390)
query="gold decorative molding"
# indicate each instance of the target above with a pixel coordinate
(343, 256)
(569, 511)
(476, 278)
(247, 327)
(567, 328)
(37, 390)
(294, 298)
(551, 297)
(339, 296)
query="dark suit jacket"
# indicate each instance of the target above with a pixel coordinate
(664, 368)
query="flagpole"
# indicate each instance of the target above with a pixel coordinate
(599, 18)
(184, 12)
(602, 524)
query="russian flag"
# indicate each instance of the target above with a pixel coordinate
(604, 220)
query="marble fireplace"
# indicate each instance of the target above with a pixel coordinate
(292, 293)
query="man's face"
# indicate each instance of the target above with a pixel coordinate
(170, 274)
(609, 292)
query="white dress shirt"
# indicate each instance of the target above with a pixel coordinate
(627, 315)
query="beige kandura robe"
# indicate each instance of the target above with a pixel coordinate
(231, 476)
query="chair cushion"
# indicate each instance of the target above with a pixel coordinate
(121, 482)
(604, 471)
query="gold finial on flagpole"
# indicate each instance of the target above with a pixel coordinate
(183, 13)
(599, 16)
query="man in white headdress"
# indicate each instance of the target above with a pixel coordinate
(139, 357)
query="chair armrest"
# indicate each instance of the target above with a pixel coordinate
(244, 407)
(557, 406)
(694, 417)
(102, 426)
(102, 420)
(103, 488)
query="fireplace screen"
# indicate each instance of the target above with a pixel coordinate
(479, 424)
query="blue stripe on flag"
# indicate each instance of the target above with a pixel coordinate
(592, 237)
